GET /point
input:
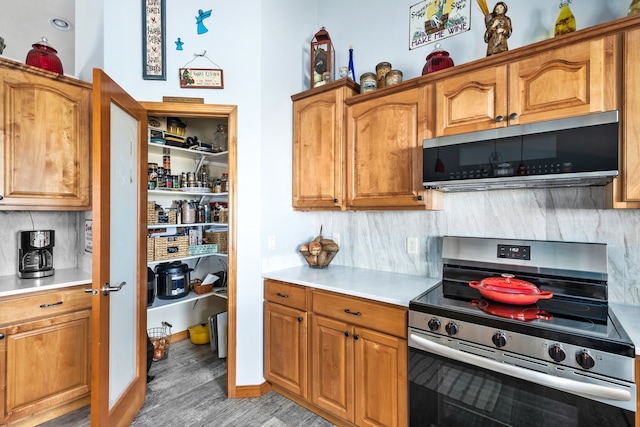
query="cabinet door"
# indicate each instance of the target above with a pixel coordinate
(384, 152)
(285, 352)
(47, 363)
(472, 101)
(626, 189)
(44, 143)
(332, 376)
(381, 379)
(566, 81)
(318, 151)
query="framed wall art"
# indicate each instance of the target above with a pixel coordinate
(153, 40)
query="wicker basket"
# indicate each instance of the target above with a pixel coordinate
(217, 238)
(150, 249)
(170, 247)
(151, 213)
(199, 288)
(160, 338)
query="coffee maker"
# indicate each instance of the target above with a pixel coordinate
(35, 253)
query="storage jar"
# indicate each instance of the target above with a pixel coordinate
(368, 82)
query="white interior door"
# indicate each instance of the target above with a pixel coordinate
(118, 379)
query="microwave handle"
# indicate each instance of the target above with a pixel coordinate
(521, 373)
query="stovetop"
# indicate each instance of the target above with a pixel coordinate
(535, 320)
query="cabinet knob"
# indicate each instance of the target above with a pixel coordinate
(499, 119)
(419, 197)
(513, 116)
(356, 336)
(1, 336)
(300, 319)
(1, 197)
(335, 200)
(346, 334)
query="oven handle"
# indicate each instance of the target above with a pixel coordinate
(521, 373)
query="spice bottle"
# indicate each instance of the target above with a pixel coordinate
(224, 183)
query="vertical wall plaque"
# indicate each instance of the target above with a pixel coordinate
(153, 40)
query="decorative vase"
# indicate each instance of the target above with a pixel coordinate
(634, 7)
(566, 22)
(438, 59)
(44, 56)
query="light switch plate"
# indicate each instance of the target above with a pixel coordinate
(272, 243)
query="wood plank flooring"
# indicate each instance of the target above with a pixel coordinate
(188, 389)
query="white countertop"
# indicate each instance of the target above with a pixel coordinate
(62, 278)
(381, 286)
(628, 316)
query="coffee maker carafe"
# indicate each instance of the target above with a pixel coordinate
(35, 253)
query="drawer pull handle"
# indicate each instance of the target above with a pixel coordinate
(282, 295)
(50, 305)
(353, 313)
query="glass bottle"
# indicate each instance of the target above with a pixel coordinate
(566, 22)
(634, 7)
(224, 183)
(220, 139)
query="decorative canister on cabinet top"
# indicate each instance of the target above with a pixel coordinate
(368, 82)
(44, 56)
(381, 71)
(393, 77)
(438, 59)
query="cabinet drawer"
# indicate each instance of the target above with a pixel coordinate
(374, 315)
(286, 294)
(23, 307)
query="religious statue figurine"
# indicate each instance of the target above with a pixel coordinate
(2, 45)
(498, 29)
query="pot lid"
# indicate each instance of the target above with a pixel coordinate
(507, 283)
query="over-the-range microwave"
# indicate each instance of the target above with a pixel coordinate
(577, 151)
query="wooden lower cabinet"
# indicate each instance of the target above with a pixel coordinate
(358, 374)
(285, 342)
(44, 360)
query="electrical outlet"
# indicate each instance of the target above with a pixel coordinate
(336, 238)
(412, 245)
(272, 243)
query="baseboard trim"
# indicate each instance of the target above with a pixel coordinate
(252, 390)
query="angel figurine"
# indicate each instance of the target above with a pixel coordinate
(498, 29)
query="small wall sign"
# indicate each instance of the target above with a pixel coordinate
(434, 20)
(153, 40)
(202, 78)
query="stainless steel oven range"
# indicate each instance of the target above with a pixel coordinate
(482, 355)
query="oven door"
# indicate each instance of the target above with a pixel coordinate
(451, 390)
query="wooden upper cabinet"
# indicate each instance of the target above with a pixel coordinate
(624, 192)
(471, 101)
(318, 147)
(384, 152)
(44, 140)
(571, 80)
(565, 81)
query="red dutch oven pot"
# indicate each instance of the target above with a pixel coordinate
(509, 290)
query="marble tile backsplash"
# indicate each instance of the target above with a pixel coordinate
(377, 239)
(67, 249)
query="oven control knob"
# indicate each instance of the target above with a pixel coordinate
(451, 328)
(434, 324)
(499, 339)
(584, 359)
(556, 352)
